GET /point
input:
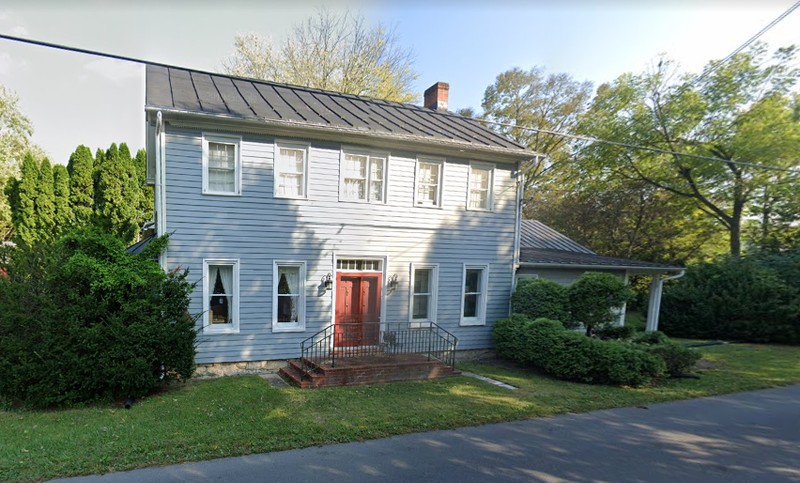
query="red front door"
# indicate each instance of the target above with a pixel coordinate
(358, 309)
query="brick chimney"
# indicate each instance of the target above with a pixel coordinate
(436, 96)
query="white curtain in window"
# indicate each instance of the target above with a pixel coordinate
(290, 167)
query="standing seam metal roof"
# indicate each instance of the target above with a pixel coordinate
(171, 88)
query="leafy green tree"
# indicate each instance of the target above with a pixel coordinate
(23, 194)
(15, 141)
(332, 52)
(81, 187)
(520, 100)
(117, 196)
(63, 216)
(45, 202)
(147, 199)
(734, 113)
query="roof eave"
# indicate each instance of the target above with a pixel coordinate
(606, 267)
(328, 133)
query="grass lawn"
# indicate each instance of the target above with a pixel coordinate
(241, 415)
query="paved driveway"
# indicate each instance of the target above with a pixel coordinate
(747, 437)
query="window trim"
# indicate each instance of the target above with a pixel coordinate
(306, 148)
(490, 195)
(233, 327)
(300, 325)
(236, 141)
(434, 294)
(370, 153)
(480, 318)
(440, 190)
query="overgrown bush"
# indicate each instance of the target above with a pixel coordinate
(545, 344)
(594, 297)
(677, 358)
(84, 320)
(615, 332)
(746, 299)
(537, 297)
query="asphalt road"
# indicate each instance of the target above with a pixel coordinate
(746, 437)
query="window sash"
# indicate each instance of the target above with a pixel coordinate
(429, 177)
(290, 171)
(288, 296)
(220, 296)
(363, 177)
(421, 297)
(474, 291)
(480, 188)
(221, 165)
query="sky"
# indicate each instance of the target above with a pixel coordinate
(74, 99)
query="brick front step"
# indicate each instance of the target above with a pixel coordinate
(375, 369)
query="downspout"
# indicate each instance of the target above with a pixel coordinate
(517, 226)
(161, 188)
(654, 304)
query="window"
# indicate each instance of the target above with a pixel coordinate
(473, 309)
(221, 296)
(221, 165)
(479, 191)
(291, 163)
(363, 177)
(424, 283)
(289, 299)
(429, 183)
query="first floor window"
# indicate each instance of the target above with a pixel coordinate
(288, 296)
(423, 293)
(220, 296)
(473, 309)
(221, 165)
(291, 163)
(479, 195)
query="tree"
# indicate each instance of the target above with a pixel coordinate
(63, 215)
(45, 202)
(594, 298)
(15, 133)
(117, 195)
(332, 52)
(725, 120)
(81, 187)
(520, 100)
(147, 198)
(22, 194)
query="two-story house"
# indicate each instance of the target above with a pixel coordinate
(298, 210)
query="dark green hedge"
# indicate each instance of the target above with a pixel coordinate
(545, 344)
(539, 297)
(83, 320)
(753, 299)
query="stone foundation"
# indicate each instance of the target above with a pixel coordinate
(475, 355)
(219, 369)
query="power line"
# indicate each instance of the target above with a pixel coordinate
(580, 137)
(750, 40)
(107, 55)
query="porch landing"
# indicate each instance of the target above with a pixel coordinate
(367, 369)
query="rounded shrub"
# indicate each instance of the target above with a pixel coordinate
(594, 297)
(536, 297)
(85, 320)
(733, 299)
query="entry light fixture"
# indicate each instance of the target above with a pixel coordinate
(393, 281)
(328, 281)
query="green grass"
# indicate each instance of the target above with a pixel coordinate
(241, 415)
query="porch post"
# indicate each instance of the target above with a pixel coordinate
(654, 303)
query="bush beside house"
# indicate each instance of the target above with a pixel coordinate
(85, 320)
(542, 298)
(755, 299)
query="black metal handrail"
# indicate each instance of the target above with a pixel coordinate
(372, 338)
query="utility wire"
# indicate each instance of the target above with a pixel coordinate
(750, 40)
(107, 55)
(580, 137)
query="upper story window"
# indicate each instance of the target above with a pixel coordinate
(479, 190)
(221, 296)
(221, 165)
(291, 170)
(428, 185)
(363, 177)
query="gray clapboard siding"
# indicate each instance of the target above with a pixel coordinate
(257, 229)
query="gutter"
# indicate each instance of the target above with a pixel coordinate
(607, 267)
(517, 229)
(161, 186)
